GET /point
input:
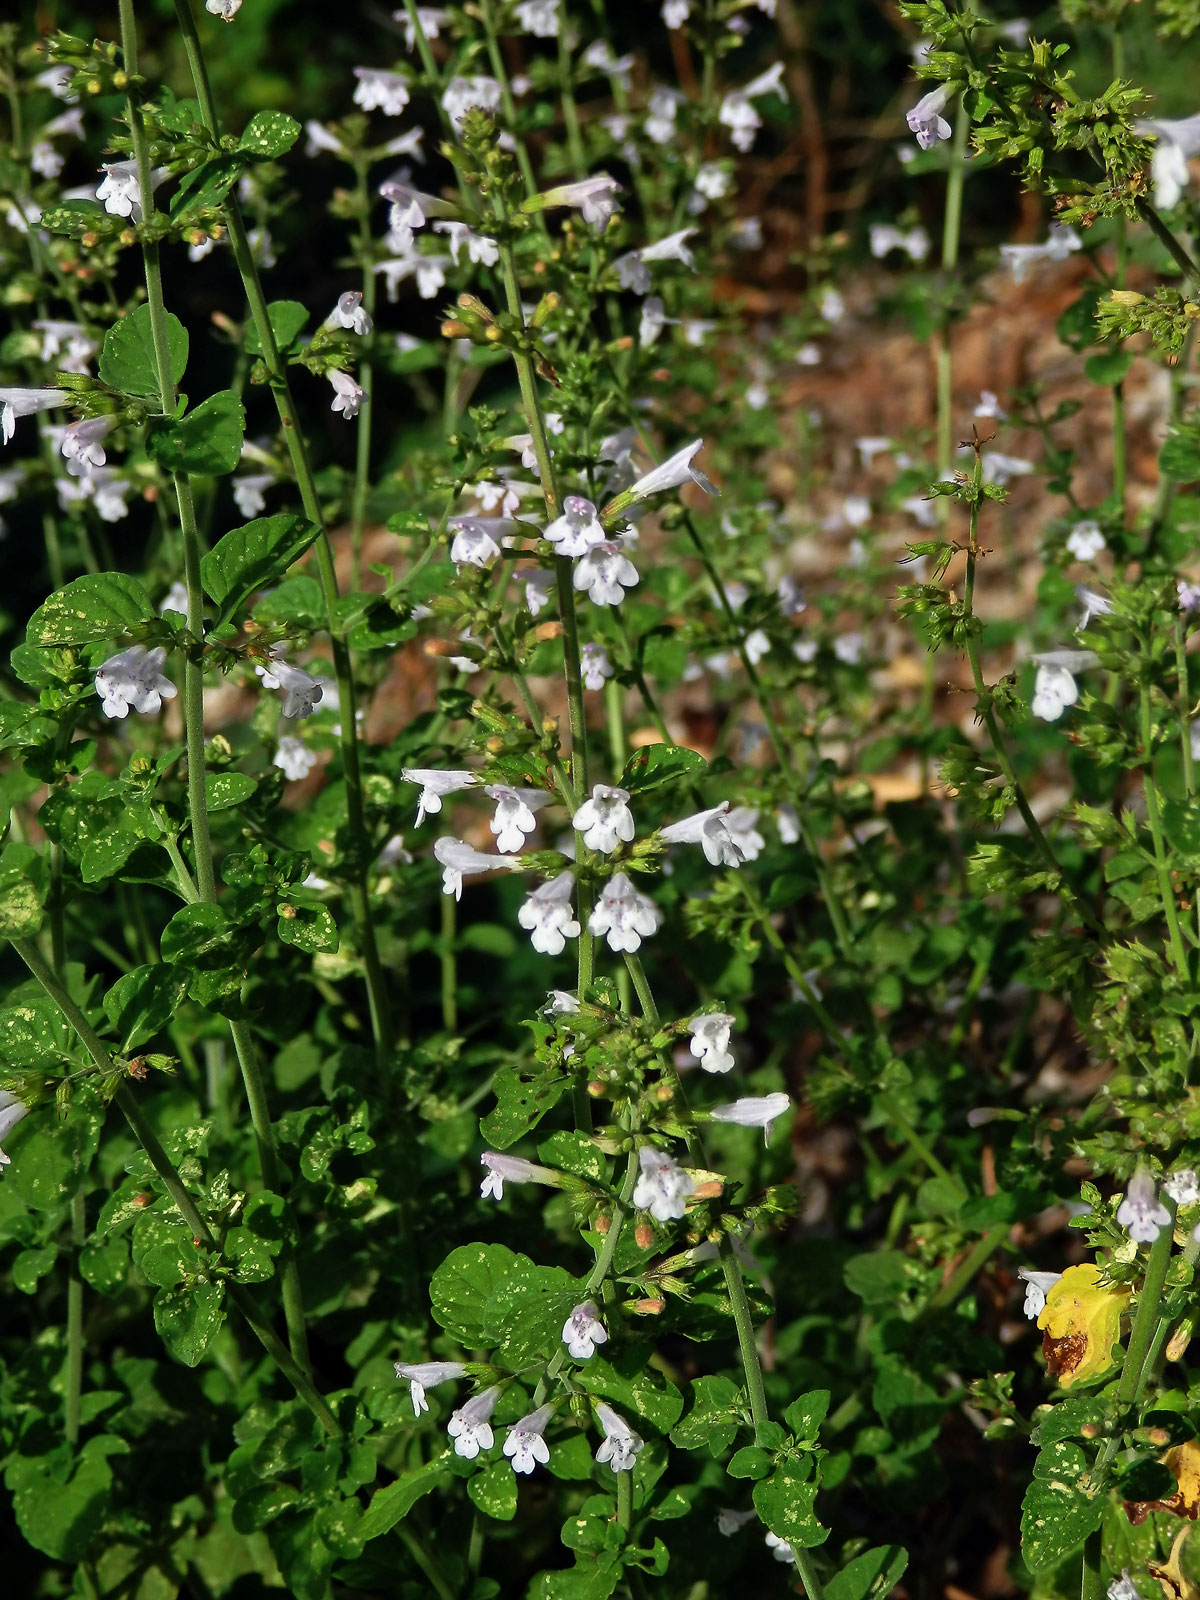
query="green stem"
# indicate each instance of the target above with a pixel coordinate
(569, 109)
(951, 232)
(366, 378)
(890, 1105)
(1168, 240)
(75, 1317)
(417, 1549)
(377, 998)
(193, 676)
(967, 1268)
(500, 73)
(1146, 1322)
(1154, 818)
(449, 965)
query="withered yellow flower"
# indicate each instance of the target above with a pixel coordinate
(1080, 1323)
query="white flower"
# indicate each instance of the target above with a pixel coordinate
(926, 120)
(473, 544)
(176, 600)
(1086, 541)
(393, 852)
(134, 678)
(503, 1169)
(753, 1111)
(457, 858)
(470, 1425)
(481, 247)
(319, 138)
(596, 666)
(347, 396)
(1183, 1187)
(514, 815)
(663, 108)
(673, 472)
(350, 314)
(1141, 1213)
(1188, 594)
(435, 784)
(248, 493)
(547, 916)
(757, 645)
(1055, 688)
(676, 12)
(787, 821)
(886, 237)
(118, 189)
(463, 93)
(1176, 140)
(294, 758)
(1094, 604)
(24, 403)
(58, 81)
(108, 493)
(594, 198)
(713, 180)
(67, 344)
(729, 1521)
(539, 586)
(424, 1375)
(524, 1443)
(577, 529)
(709, 1040)
(381, 91)
(301, 691)
(989, 406)
(1019, 258)
(605, 819)
(599, 56)
(738, 113)
(540, 18)
(429, 20)
(605, 572)
(429, 271)
(652, 321)
(583, 1331)
(710, 830)
(780, 1548)
(624, 915)
(1123, 1588)
(225, 9)
(663, 1187)
(1037, 1287)
(742, 830)
(11, 1112)
(621, 1444)
(82, 446)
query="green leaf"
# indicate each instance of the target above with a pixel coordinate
(387, 1506)
(805, 1416)
(61, 1506)
(188, 1318)
(100, 605)
(207, 184)
(749, 1462)
(494, 1491)
(870, 1576)
(1179, 457)
(74, 218)
(1109, 367)
(786, 1503)
(520, 1104)
(252, 557)
(638, 1389)
(225, 789)
(714, 1419)
(594, 1577)
(1062, 1506)
(287, 318)
(127, 360)
(307, 927)
(269, 134)
(196, 936)
(50, 1158)
(459, 1289)
(32, 1265)
(105, 1266)
(524, 1313)
(22, 891)
(878, 1278)
(207, 441)
(657, 764)
(141, 1003)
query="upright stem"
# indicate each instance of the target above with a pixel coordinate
(951, 230)
(193, 676)
(377, 998)
(1145, 1324)
(1154, 818)
(449, 966)
(1119, 449)
(366, 378)
(75, 1318)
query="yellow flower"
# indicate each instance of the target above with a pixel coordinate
(1081, 1322)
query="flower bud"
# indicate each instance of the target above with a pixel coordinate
(596, 1089)
(548, 630)
(644, 1234)
(602, 1223)
(648, 1308)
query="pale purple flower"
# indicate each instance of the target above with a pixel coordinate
(82, 444)
(583, 1331)
(577, 529)
(470, 1425)
(474, 544)
(514, 814)
(673, 472)
(457, 858)
(524, 1443)
(621, 1445)
(481, 248)
(989, 406)
(663, 1187)
(539, 18)
(1037, 1286)
(1054, 687)
(176, 599)
(429, 19)
(604, 571)
(502, 1169)
(753, 1111)
(248, 493)
(780, 1548)
(730, 1521)
(624, 915)
(461, 94)
(547, 917)
(594, 198)
(926, 120)
(294, 758)
(66, 344)
(1063, 241)
(11, 1112)
(787, 820)
(539, 586)
(118, 190)
(434, 784)
(605, 819)
(378, 90)
(1141, 1213)
(1183, 1187)
(424, 1375)
(1123, 1588)
(738, 112)
(1094, 604)
(676, 12)
(134, 678)
(347, 396)
(24, 403)
(301, 691)
(709, 1041)
(757, 645)
(225, 9)
(741, 823)
(1189, 595)
(710, 830)
(349, 313)
(596, 666)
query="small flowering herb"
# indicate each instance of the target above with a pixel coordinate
(623, 915)
(470, 1426)
(133, 680)
(583, 1331)
(620, 1446)
(663, 1188)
